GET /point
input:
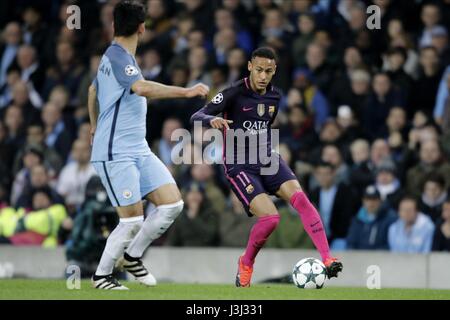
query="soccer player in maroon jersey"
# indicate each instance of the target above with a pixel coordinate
(250, 106)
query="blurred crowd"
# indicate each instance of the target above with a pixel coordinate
(364, 121)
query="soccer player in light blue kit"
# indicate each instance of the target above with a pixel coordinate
(121, 156)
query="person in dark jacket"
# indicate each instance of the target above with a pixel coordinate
(379, 103)
(235, 225)
(198, 223)
(441, 238)
(369, 229)
(337, 203)
(433, 196)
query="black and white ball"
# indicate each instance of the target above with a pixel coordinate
(309, 273)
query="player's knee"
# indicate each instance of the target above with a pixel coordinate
(271, 221)
(172, 210)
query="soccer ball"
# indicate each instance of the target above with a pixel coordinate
(309, 273)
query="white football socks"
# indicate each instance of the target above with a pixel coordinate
(156, 223)
(117, 241)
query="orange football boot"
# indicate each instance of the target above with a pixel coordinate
(334, 266)
(244, 274)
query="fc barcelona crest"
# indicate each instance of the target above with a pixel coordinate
(250, 188)
(271, 110)
(261, 109)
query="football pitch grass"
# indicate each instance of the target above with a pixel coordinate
(57, 290)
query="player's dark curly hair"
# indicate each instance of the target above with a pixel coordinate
(264, 52)
(128, 15)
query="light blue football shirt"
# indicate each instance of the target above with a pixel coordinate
(121, 123)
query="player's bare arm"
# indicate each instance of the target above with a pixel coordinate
(155, 90)
(93, 109)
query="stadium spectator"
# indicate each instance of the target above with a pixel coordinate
(21, 97)
(413, 230)
(336, 202)
(298, 132)
(35, 31)
(39, 227)
(200, 11)
(361, 172)
(313, 98)
(75, 175)
(289, 233)
(353, 92)
(163, 147)
(306, 26)
(430, 16)
(12, 77)
(237, 65)
(369, 228)
(224, 19)
(197, 60)
(224, 41)
(85, 82)
(396, 122)
(379, 103)
(398, 37)
(433, 196)
(431, 160)
(66, 71)
(31, 72)
(442, 97)
(151, 66)
(39, 180)
(396, 58)
(388, 184)
(234, 224)
(32, 156)
(102, 34)
(12, 37)
(425, 88)
(204, 175)
(6, 149)
(439, 40)
(198, 224)
(332, 154)
(275, 29)
(321, 71)
(35, 136)
(441, 238)
(56, 134)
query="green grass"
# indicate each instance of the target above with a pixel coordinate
(56, 289)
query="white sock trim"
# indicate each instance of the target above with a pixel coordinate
(132, 219)
(171, 205)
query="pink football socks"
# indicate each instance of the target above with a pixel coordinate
(258, 237)
(312, 223)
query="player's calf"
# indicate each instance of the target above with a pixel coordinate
(153, 227)
(258, 237)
